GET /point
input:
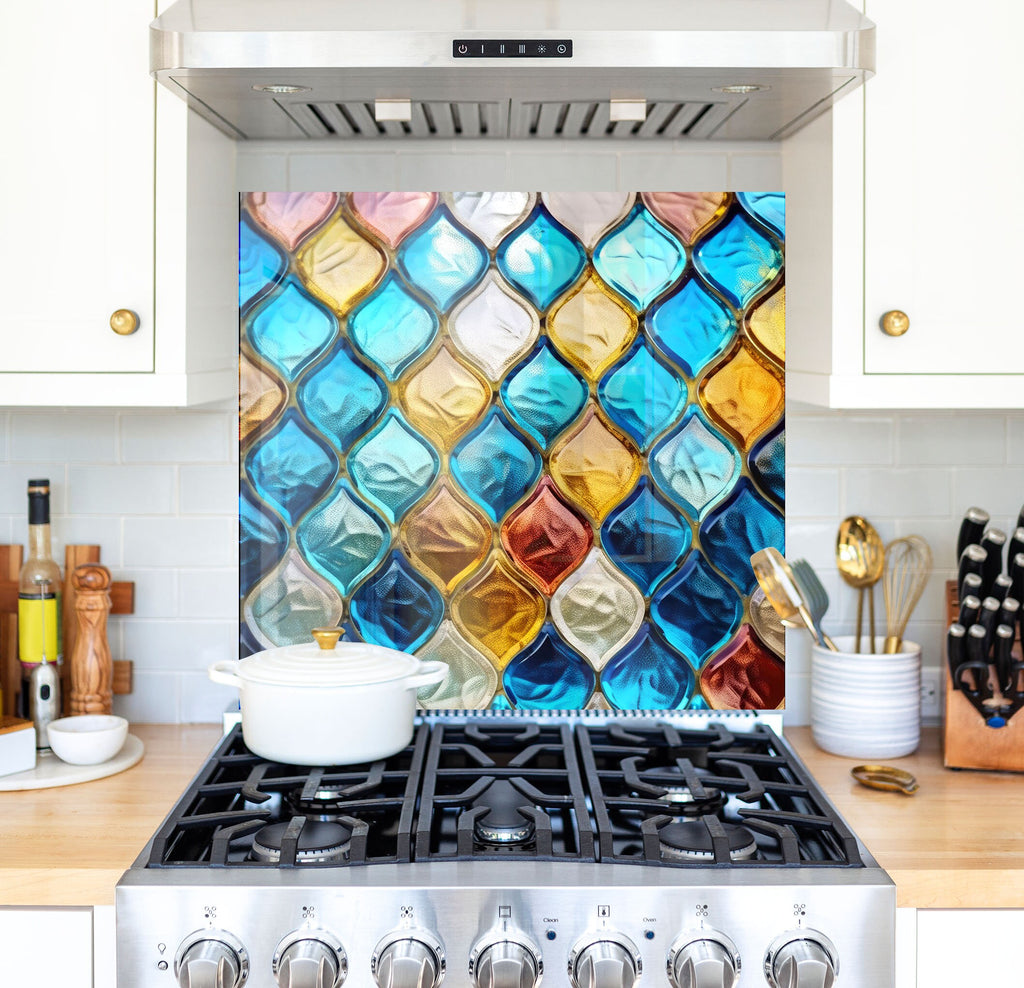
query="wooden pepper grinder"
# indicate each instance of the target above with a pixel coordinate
(92, 670)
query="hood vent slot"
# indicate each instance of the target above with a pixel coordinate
(573, 119)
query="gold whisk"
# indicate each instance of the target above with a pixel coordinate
(908, 563)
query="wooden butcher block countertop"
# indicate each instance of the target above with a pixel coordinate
(958, 843)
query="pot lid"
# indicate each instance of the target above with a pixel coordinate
(332, 663)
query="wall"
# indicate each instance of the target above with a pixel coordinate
(157, 489)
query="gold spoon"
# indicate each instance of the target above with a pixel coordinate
(860, 558)
(776, 580)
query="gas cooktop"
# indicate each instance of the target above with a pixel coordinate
(496, 850)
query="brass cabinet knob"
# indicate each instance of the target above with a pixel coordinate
(327, 638)
(895, 323)
(124, 322)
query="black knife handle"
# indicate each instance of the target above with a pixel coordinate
(1016, 545)
(993, 542)
(975, 520)
(988, 618)
(1004, 643)
(956, 649)
(1009, 612)
(1020, 518)
(970, 608)
(977, 659)
(971, 587)
(1001, 587)
(972, 560)
(1017, 575)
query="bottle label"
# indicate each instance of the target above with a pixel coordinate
(38, 623)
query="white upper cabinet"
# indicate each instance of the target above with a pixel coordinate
(909, 186)
(101, 214)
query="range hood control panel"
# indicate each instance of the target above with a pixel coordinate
(512, 48)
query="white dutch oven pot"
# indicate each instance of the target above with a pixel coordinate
(329, 702)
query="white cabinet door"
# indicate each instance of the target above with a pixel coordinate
(76, 165)
(944, 146)
(46, 947)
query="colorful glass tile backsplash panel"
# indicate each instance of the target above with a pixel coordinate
(537, 436)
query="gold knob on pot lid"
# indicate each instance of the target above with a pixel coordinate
(327, 638)
(895, 323)
(124, 322)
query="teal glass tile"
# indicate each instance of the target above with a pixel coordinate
(392, 327)
(393, 466)
(691, 327)
(648, 674)
(768, 464)
(543, 394)
(738, 259)
(260, 264)
(290, 329)
(541, 258)
(442, 260)
(495, 466)
(291, 468)
(262, 539)
(341, 397)
(639, 258)
(768, 207)
(342, 538)
(548, 675)
(641, 395)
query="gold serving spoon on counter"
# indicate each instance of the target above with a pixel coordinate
(860, 558)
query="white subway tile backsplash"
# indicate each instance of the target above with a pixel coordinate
(896, 492)
(209, 593)
(209, 490)
(121, 489)
(1015, 439)
(179, 437)
(180, 541)
(14, 478)
(938, 440)
(156, 591)
(75, 437)
(812, 492)
(155, 698)
(203, 701)
(999, 490)
(157, 645)
(819, 440)
(104, 531)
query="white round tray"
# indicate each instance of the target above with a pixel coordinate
(50, 771)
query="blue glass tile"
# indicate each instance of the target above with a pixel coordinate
(291, 468)
(260, 264)
(290, 329)
(768, 464)
(640, 258)
(393, 465)
(396, 607)
(343, 539)
(442, 260)
(738, 260)
(262, 540)
(548, 675)
(543, 395)
(641, 395)
(247, 643)
(500, 703)
(644, 537)
(698, 703)
(647, 675)
(392, 327)
(692, 327)
(341, 397)
(696, 610)
(694, 465)
(541, 258)
(768, 207)
(495, 466)
(738, 528)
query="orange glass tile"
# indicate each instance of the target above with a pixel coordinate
(592, 328)
(338, 266)
(446, 537)
(767, 325)
(546, 538)
(595, 465)
(260, 397)
(687, 213)
(744, 676)
(498, 611)
(445, 398)
(743, 396)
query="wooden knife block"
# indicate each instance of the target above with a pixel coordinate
(122, 598)
(967, 741)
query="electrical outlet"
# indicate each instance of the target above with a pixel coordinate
(931, 694)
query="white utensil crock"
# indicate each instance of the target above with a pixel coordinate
(304, 705)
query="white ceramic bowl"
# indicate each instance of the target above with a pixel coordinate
(88, 739)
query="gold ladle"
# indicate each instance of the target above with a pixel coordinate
(775, 578)
(860, 558)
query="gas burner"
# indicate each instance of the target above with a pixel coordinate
(327, 803)
(691, 841)
(682, 801)
(319, 843)
(502, 823)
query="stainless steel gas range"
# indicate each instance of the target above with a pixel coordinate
(502, 850)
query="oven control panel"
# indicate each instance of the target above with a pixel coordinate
(570, 936)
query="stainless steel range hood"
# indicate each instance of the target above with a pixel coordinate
(379, 69)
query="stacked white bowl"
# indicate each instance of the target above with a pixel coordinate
(863, 705)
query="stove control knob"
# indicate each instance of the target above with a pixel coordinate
(211, 959)
(310, 959)
(709, 960)
(609, 960)
(409, 959)
(801, 959)
(510, 963)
